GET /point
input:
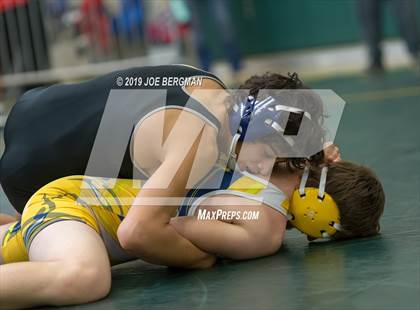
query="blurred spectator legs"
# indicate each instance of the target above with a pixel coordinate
(406, 13)
(218, 11)
(370, 17)
(23, 38)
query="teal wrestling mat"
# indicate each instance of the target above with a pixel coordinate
(381, 129)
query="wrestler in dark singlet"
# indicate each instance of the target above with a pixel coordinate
(50, 131)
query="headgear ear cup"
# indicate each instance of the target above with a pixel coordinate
(251, 120)
(313, 216)
(313, 211)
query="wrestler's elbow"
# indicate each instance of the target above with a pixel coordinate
(207, 262)
(136, 239)
(125, 236)
(270, 237)
(265, 244)
(274, 243)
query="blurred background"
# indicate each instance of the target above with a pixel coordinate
(49, 41)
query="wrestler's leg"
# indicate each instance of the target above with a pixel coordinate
(68, 265)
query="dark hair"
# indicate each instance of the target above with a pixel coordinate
(308, 101)
(358, 194)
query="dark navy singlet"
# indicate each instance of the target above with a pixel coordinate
(50, 131)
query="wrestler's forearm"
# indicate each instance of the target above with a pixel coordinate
(146, 233)
(168, 248)
(236, 239)
(224, 239)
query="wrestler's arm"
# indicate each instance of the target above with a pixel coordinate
(145, 232)
(235, 239)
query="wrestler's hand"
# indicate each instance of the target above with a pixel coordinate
(331, 153)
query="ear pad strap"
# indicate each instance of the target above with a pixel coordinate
(322, 182)
(303, 181)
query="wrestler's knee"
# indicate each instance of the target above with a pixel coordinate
(84, 282)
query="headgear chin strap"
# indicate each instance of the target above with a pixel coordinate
(232, 152)
(244, 111)
(312, 210)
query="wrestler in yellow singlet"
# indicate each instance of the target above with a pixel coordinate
(102, 204)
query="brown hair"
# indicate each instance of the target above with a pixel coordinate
(308, 101)
(358, 194)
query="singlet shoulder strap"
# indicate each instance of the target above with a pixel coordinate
(204, 73)
(194, 104)
(201, 111)
(259, 190)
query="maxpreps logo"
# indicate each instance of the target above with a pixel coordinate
(121, 121)
(225, 215)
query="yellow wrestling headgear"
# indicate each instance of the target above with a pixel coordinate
(312, 210)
